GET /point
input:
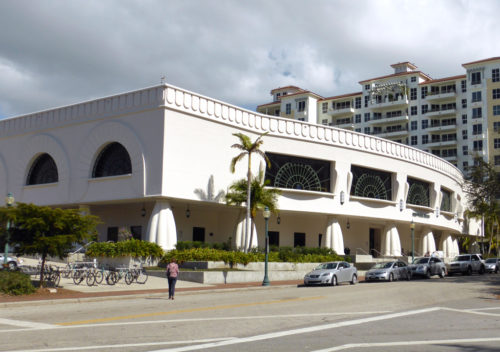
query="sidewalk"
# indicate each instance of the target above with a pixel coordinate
(154, 285)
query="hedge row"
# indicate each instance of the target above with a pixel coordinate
(237, 257)
(133, 247)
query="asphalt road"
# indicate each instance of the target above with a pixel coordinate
(452, 314)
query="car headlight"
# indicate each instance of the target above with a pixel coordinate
(326, 274)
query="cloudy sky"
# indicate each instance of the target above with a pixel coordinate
(59, 52)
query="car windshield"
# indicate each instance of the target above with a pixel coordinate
(491, 260)
(421, 260)
(327, 266)
(382, 265)
(461, 258)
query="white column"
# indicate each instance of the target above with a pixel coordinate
(334, 238)
(161, 227)
(448, 247)
(391, 244)
(241, 242)
(428, 243)
(456, 250)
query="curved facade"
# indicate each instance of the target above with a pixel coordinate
(339, 188)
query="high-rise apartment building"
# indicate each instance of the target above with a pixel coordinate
(456, 118)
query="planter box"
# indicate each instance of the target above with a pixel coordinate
(127, 262)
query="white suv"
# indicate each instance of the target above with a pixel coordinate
(466, 264)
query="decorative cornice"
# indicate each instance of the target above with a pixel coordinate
(195, 104)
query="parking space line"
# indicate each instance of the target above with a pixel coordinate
(408, 343)
(190, 310)
(27, 324)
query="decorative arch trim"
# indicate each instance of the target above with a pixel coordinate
(96, 141)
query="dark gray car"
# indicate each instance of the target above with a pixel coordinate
(428, 266)
(389, 271)
(332, 273)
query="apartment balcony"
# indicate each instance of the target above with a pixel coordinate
(479, 136)
(441, 128)
(403, 132)
(451, 158)
(439, 113)
(346, 125)
(341, 112)
(441, 144)
(387, 120)
(400, 103)
(441, 96)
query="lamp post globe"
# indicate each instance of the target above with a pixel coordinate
(266, 213)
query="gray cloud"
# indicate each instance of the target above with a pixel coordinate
(59, 52)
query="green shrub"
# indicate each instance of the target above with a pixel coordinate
(285, 254)
(183, 245)
(15, 283)
(133, 247)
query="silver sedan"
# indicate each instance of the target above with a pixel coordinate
(332, 273)
(388, 271)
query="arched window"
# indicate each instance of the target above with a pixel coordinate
(113, 160)
(43, 170)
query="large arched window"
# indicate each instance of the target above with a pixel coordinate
(113, 160)
(43, 170)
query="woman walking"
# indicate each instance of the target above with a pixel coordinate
(172, 272)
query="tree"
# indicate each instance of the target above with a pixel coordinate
(261, 197)
(482, 187)
(47, 231)
(247, 149)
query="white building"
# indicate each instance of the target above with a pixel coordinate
(456, 118)
(139, 160)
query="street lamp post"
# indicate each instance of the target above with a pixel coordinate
(266, 213)
(9, 200)
(412, 227)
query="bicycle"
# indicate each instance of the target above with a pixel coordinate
(138, 275)
(84, 274)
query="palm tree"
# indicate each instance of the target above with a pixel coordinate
(261, 197)
(247, 149)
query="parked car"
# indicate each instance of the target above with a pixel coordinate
(389, 271)
(13, 262)
(428, 266)
(491, 265)
(466, 264)
(332, 273)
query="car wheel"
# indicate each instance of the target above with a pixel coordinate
(496, 270)
(334, 281)
(428, 274)
(481, 270)
(442, 273)
(12, 265)
(469, 271)
(391, 277)
(354, 279)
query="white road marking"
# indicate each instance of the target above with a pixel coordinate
(192, 320)
(27, 324)
(298, 331)
(472, 311)
(479, 309)
(120, 346)
(407, 343)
